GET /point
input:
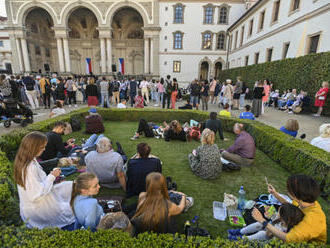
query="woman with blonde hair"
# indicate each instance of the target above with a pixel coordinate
(291, 127)
(321, 97)
(323, 141)
(42, 204)
(91, 93)
(154, 210)
(205, 161)
(174, 131)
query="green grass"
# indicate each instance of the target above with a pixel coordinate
(174, 156)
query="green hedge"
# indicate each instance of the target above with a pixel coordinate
(295, 155)
(306, 73)
(16, 237)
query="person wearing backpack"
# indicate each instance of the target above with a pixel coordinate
(168, 91)
(31, 92)
(115, 91)
(45, 88)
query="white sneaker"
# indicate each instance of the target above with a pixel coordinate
(189, 203)
(76, 106)
(135, 137)
(156, 105)
(316, 115)
(69, 105)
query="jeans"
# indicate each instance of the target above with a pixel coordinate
(132, 96)
(194, 100)
(256, 228)
(281, 103)
(167, 97)
(160, 97)
(72, 96)
(242, 100)
(106, 97)
(205, 99)
(84, 94)
(92, 140)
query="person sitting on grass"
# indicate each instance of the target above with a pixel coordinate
(139, 100)
(323, 141)
(247, 114)
(93, 122)
(55, 146)
(57, 110)
(288, 217)
(225, 112)
(291, 127)
(174, 131)
(89, 213)
(122, 104)
(205, 161)
(138, 167)
(304, 191)
(154, 210)
(243, 151)
(42, 203)
(187, 105)
(146, 128)
(106, 164)
(215, 125)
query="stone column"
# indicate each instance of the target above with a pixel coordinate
(109, 55)
(25, 55)
(103, 56)
(19, 55)
(146, 55)
(60, 54)
(67, 55)
(151, 56)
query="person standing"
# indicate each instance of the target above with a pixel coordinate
(168, 91)
(144, 85)
(91, 93)
(205, 95)
(161, 91)
(258, 93)
(320, 98)
(228, 93)
(213, 84)
(174, 92)
(194, 93)
(104, 88)
(45, 88)
(237, 92)
(115, 91)
(265, 98)
(132, 90)
(242, 96)
(31, 92)
(71, 88)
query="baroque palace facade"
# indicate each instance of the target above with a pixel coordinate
(187, 39)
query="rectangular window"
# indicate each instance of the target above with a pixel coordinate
(242, 36)
(269, 54)
(47, 52)
(177, 40)
(295, 5)
(1, 43)
(176, 66)
(251, 27)
(256, 58)
(230, 42)
(178, 14)
(313, 44)
(246, 60)
(207, 41)
(261, 20)
(208, 18)
(37, 50)
(236, 37)
(276, 10)
(285, 50)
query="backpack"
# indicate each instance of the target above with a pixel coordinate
(75, 124)
(48, 87)
(115, 86)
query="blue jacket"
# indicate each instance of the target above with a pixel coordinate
(292, 133)
(87, 211)
(246, 115)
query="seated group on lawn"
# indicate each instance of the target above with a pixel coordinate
(70, 205)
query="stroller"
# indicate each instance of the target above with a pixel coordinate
(12, 110)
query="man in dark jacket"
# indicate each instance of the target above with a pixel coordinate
(132, 90)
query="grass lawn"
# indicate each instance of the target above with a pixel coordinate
(174, 155)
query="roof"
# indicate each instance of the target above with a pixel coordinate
(246, 14)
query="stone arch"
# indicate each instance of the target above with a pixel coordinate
(127, 4)
(70, 7)
(216, 72)
(25, 9)
(210, 66)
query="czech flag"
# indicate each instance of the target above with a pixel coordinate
(88, 65)
(121, 68)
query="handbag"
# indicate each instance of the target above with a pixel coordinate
(74, 87)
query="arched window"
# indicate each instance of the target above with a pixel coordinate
(177, 40)
(221, 41)
(207, 40)
(178, 13)
(223, 15)
(208, 14)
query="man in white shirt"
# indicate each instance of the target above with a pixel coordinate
(144, 85)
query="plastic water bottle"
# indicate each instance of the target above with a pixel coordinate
(241, 198)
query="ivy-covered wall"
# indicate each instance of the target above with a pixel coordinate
(306, 73)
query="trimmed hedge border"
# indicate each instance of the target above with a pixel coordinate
(305, 72)
(295, 155)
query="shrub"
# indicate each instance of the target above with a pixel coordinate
(295, 155)
(306, 73)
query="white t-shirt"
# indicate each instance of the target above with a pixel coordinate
(58, 111)
(121, 105)
(323, 143)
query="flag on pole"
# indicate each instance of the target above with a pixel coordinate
(121, 68)
(88, 65)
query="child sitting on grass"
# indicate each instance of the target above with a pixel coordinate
(288, 216)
